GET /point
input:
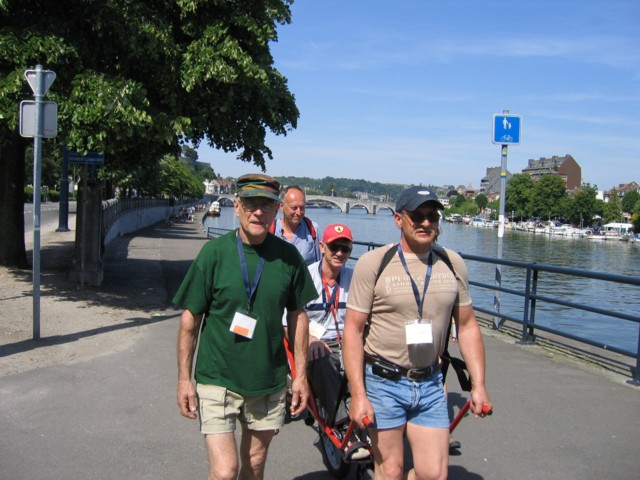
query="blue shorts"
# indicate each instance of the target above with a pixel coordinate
(397, 402)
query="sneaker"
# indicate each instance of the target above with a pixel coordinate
(454, 445)
(356, 451)
(360, 453)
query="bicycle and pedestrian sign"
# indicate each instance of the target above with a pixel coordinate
(506, 129)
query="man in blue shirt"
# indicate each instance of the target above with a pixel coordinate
(294, 227)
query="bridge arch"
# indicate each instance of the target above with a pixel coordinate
(344, 204)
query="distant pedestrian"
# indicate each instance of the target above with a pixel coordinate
(396, 325)
(295, 227)
(235, 294)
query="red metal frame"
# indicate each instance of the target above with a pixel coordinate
(330, 431)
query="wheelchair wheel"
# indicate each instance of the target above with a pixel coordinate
(332, 457)
(365, 472)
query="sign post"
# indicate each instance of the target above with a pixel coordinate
(63, 211)
(92, 159)
(38, 121)
(506, 131)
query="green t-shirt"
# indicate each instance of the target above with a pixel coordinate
(214, 286)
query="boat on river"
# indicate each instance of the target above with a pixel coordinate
(614, 231)
(454, 218)
(214, 209)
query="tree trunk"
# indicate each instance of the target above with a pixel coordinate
(12, 177)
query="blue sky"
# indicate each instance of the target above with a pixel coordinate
(404, 91)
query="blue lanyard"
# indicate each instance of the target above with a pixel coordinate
(249, 289)
(416, 292)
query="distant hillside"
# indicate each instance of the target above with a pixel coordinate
(344, 187)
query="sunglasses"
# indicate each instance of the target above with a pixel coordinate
(253, 204)
(334, 248)
(417, 217)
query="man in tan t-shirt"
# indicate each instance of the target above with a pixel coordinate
(407, 308)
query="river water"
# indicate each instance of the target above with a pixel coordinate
(611, 256)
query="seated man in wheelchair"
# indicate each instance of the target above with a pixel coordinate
(326, 314)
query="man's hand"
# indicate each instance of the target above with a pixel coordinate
(481, 404)
(317, 348)
(299, 396)
(187, 400)
(360, 409)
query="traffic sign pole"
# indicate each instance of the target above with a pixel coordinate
(34, 126)
(506, 130)
(37, 158)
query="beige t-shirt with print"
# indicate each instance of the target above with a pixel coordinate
(391, 303)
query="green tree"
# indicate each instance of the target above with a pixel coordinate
(548, 195)
(177, 179)
(582, 207)
(481, 201)
(137, 78)
(612, 211)
(459, 201)
(635, 217)
(519, 195)
(629, 201)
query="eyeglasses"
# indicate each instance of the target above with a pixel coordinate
(253, 204)
(417, 217)
(335, 248)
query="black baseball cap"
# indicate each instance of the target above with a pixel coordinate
(412, 197)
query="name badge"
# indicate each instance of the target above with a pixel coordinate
(418, 333)
(243, 325)
(316, 330)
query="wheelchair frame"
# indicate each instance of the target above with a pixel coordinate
(339, 467)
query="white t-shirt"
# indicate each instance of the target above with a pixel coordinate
(318, 310)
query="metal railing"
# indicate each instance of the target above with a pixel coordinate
(531, 299)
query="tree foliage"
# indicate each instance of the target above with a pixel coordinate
(136, 79)
(481, 200)
(548, 195)
(612, 210)
(583, 207)
(630, 200)
(177, 179)
(519, 199)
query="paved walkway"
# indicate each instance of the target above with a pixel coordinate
(113, 415)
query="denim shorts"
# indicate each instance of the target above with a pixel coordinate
(397, 402)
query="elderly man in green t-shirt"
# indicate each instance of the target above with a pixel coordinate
(235, 294)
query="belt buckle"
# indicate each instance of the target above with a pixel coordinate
(419, 373)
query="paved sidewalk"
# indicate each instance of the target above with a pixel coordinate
(112, 414)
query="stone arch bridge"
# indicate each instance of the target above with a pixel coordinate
(343, 203)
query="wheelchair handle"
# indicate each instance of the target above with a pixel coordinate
(368, 422)
(486, 410)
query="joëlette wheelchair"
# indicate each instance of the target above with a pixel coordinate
(339, 441)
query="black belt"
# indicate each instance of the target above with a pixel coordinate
(410, 373)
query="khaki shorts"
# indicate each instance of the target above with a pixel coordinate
(220, 408)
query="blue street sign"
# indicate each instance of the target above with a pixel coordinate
(506, 129)
(90, 158)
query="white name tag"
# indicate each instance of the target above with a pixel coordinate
(418, 333)
(243, 325)
(316, 330)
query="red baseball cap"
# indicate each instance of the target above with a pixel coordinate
(335, 231)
